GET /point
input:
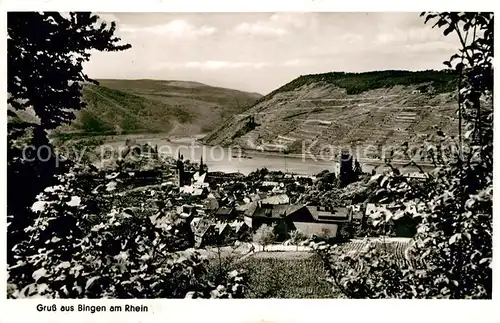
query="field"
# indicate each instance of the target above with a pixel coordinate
(294, 274)
(283, 276)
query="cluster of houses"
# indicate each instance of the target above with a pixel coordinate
(231, 206)
(223, 207)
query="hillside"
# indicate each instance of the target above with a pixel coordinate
(151, 106)
(345, 110)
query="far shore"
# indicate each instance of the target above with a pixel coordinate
(187, 139)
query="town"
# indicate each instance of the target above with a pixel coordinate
(222, 208)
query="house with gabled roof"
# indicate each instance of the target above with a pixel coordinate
(225, 213)
(223, 231)
(310, 220)
(239, 227)
(204, 232)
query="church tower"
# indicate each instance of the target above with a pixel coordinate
(180, 170)
(346, 170)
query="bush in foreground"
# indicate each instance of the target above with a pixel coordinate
(73, 252)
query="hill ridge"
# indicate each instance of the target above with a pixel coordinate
(339, 109)
(120, 106)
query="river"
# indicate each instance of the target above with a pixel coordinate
(234, 160)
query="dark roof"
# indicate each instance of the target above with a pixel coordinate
(224, 210)
(275, 211)
(338, 214)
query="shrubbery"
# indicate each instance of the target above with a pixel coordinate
(74, 251)
(265, 235)
(72, 232)
(451, 253)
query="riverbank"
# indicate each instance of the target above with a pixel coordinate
(234, 159)
(197, 139)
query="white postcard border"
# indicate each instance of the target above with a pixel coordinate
(245, 311)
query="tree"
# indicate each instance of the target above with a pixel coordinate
(451, 253)
(263, 172)
(45, 52)
(264, 235)
(45, 56)
(296, 237)
(82, 253)
(345, 232)
(357, 168)
(346, 173)
(327, 181)
(75, 241)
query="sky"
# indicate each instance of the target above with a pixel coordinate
(259, 52)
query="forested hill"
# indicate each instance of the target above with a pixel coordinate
(152, 106)
(345, 109)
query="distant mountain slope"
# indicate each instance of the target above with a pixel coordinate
(178, 107)
(345, 110)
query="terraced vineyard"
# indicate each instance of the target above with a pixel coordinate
(320, 113)
(398, 248)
